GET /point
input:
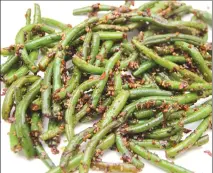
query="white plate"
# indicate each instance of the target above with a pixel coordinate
(12, 19)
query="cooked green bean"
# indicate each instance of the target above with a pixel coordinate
(46, 93)
(189, 141)
(54, 23)
(114, 167)
(121, 146)
(105, 48)
(69, 114)
(147, 65)
(94, 47)
(144, 92)
(8, 101)
(154, 159)
(22, 128)
(86, 67)
(182, 86)
(22, 71)
(86, 45)
(197, 58)
(93, 8)
(167, 64)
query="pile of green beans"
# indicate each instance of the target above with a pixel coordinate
(140, 93)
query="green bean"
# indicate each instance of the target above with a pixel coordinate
(143, 114)
(43, 41)
(22, 128)
(104, 35)
(202, 113)
(86, 45)
(164, 132)
(57, 82)
(37, 14)
(8, 100)
(44, 157)
(197, 58)
(196, 25)
(115, 108)
(22, 71)
(14, 141)
(8, 64)
(72, 84)
(54, 23)
(183, 8)
(144, 92)
(46, 93)
(147, 5)
(107, 143)
(105, 48)
(187, 98)
(52, 133)
(93, 8)
(90, 148)
(80, 115)
(189, 141)
(106, 27)
(202, 140)
(182, 113)
(101, 84)
(182, 86)
(154, 159)
(45, 60)
(138, 128)
(155, 39)
(24, 55)
(75, 161)
(130, 108)
(73, 144)
(135, 121)
(159, 6)
(36, 123)
(174, 27)
(69, 114)
(94, 47)
(167, 64)
(117, 83)
(28, 22)
(152, 143)
(114, 167)
(71, 34)
(147, 65)
(86, 67)
(121, 146)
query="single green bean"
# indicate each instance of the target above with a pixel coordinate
(94, 47)
(86, 67)
(46, 91)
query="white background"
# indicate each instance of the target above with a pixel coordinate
(12, 19)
